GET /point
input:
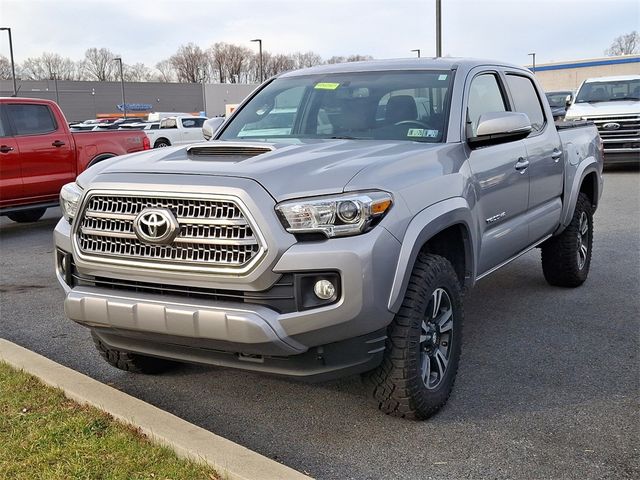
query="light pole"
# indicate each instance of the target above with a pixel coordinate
(55, 82)
(259, 40)
(202, 72)
(533, 54)
(124, 105)
(417, 50)
(13, 65)
(438, 28)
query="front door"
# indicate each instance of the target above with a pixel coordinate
(10, 170)
(502, 186)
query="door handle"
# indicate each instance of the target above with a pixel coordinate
(58, 143)
(556, 154)
(5, 148)
(521, 165)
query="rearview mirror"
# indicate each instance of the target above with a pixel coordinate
(500, 127)
(211, 126)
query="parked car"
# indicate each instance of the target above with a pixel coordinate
(177, 131)
(141, 126)
(157, 116)
(314, 255)
(39, 154)
(613, 104)
(559, 101)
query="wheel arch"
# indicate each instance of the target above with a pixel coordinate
(166, 140)
(585, 179)
(101, 157)
(445, 229)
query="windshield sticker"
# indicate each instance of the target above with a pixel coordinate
(443, 76)
(326, 86)
(422, 132)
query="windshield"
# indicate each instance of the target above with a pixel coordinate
(409, 105)
(558, 99)
(591, 92)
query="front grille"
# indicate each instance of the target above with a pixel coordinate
(213, 233)
(629, 128)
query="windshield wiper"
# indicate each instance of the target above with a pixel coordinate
(343, 137)
(623, 98)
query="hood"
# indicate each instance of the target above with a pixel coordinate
(288, 171)
(605, 109)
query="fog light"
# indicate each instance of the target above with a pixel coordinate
(324, 289)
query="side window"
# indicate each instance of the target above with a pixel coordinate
(526, 100)
(484, 96)
(31, 119)
(275, 120)
(169, 123)
(192, 122)
(4, 132)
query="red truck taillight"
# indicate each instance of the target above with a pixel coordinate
(146, 144)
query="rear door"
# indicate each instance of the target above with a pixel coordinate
(502, 187)
(10, 172)
(47, 156)
(544, 153)
(191, 130)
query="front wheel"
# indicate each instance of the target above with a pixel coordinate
(131, 362)
(424, 343)
(27, 216)
(566, 258)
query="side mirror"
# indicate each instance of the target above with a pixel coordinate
(211, 126)
(500, 127)
(568, 100)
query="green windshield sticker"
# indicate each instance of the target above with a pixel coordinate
(326, 86)
(442, 77)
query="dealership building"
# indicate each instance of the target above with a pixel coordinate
(569, 75)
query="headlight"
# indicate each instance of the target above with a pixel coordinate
(336, 215)
(69, 199)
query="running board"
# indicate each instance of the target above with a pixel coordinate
(506, 262)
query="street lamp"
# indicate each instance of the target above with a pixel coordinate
(259, 40)
(534, 61)
(13, 66)
(438, 28)
(417, 50)
(124, 105)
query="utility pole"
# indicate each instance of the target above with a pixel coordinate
(204, 94)
(533, 54)
(438, 28)
(13, 65)
(417, 50)
(124, 105)
(259, 40)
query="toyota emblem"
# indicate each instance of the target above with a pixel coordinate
(156, 225)
(611, 126)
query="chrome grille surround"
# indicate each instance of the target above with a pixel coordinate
(628, 131)
(217, 232)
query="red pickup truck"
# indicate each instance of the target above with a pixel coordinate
(39, 154)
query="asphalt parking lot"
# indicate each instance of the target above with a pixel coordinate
(547, 388)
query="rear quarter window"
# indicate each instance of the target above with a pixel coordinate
(526, 100)
(31, 119)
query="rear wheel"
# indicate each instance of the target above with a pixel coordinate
(161, 143)
(424, 343)
(131, 362)
(566, 258)
(27, 215)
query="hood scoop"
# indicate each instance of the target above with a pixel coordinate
(227, 152)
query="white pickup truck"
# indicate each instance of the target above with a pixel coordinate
(176, 131)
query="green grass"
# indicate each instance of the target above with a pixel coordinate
(44, 435)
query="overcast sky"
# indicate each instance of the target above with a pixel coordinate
(150, 30)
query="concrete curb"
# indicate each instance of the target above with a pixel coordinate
(230, 460)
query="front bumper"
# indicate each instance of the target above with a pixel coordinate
(253, 336)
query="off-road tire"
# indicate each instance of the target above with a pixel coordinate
(27, 216)
(131, 362)
(560, 254)
(398, 383)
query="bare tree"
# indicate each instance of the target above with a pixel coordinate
(232, 63)
(138, 72)
(628, 44)
(275, 64)
(5, 68)
(166, 71)
(50, 65)
(350, 58)
(99, 64)
(306, 59)
(190, 63)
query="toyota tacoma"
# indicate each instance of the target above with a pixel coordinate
(336, 239)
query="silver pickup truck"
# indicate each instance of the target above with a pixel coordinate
(331, 226)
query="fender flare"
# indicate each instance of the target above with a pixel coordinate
(101, 157)
(572, 189)
(424, 226)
